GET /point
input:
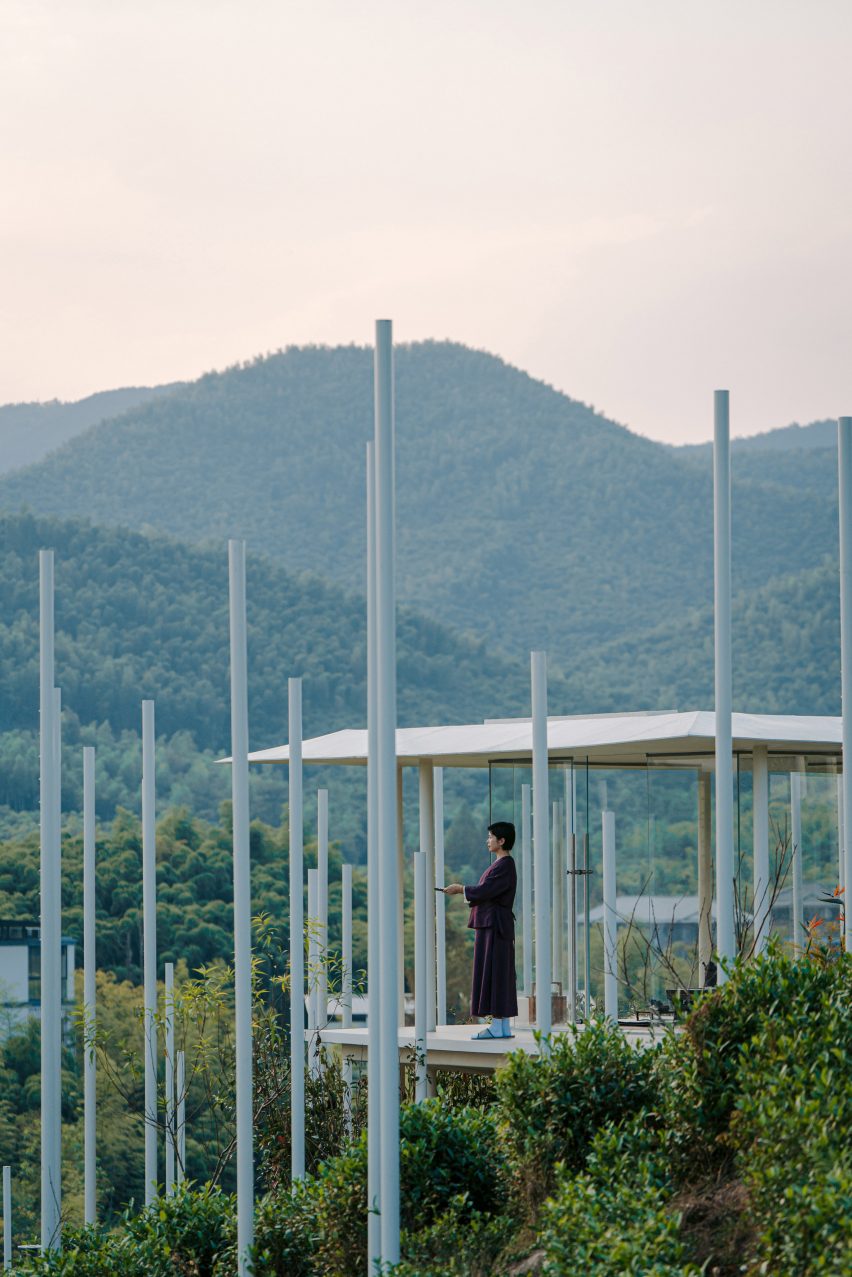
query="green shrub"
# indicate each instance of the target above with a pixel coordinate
(86, 1252)
(550, 1107)
(612, 1219)
(284, 1236)
(460, 1242)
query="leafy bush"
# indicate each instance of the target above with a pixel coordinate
(550, 1107)
(86, 1252)
(611, 1219)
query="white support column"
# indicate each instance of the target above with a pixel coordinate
(427, 846)
(705, 876)
(541, 844)
(297, 934)
(374, 967)
(725, 931)
(50, 929)
(556, 854)
(313, 976)
(440, 902)
(571, 892)
(841, 838)
(90, 1190)
(526, 886)
(7, 1218)
(322, 908)
(796, 934)
(844, 467)
(181, 1116)
(346, 982)
(760, 822)
(241, 820)
(400, 869)
(421, 960)
(610, 918)
(390, 888)
(171, 1144)
(149, 945)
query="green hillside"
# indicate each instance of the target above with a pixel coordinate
(522, 513)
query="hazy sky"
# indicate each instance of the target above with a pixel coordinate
(637, 201)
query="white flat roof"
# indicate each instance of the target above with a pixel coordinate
(600, 737)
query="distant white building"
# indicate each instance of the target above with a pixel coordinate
(20, 976)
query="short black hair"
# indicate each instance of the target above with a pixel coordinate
(504, 830)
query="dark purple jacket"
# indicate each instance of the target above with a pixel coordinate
(493, 896)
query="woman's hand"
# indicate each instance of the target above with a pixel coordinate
(454, 889)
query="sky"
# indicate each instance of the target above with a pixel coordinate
(637, 201)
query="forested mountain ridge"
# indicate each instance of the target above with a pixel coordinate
(513, 500)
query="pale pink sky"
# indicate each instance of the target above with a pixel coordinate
(635, 200)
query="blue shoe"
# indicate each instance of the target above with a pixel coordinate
(485, 1033)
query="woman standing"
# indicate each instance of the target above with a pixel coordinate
(493, 989)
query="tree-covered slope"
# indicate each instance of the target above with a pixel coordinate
(514, 501)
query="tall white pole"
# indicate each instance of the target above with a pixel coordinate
(440, 902)
(427, 846)
(297, 934)
(390, 885)
(242, 904)
(725, 934)
(526, 886)
(844, 467)
(169, 1007)
(346, 982)
(374, 962)
(610, 918)
(841, 840)
(7, 1218)
(541, 843)
(149, 946)
(760, 823)
(89, 997)
(421, 958)
(796, 856)
(180, 1077)
(322, 908)
(313, 949)
(571, 892)
(50, 929)
(556, 889)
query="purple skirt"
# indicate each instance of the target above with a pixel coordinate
(493, 988)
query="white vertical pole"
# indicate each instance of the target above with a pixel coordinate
(346, 983)
(242, 906)
(610, 918)
(427, 846)
(149, 946)
(374, 968)
(841, 840)
(571, 893)
(169, 1006)
(705, 876)
(297, 935)
(526, 887)
(421, 959)
(50, 929)
(541, 843)
(796, 857)
(725, 937)
(313, 991)
(556, 889)
(400, 912)
(844, 458)
(181, 1116)
(89, 998)
(440, 902)
(322, 908)
(390, 885)
(7, 1218)
(760, 824)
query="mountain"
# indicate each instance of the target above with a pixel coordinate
(522, 514)
(28, 431)
(792, 438)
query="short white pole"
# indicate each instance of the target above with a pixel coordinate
(556, 889)
(421, 959)
(389, 884)
(181, 1116)
(725, 932)
(760, 823)
(796, 857)
(346, 983)
(322, 908)
(610, 918)
(374, 970)
(705, 876)
(844, 467)
(297, 935)
(50, 928)
(427, 846)
(526, 886)
(7, 1218)
(571, 894)
(440, 902)
(169, 1003)
(541, 845)
(242, 906)
(90, 1189)
(313, 975)
(841, 839)
(149, 946)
